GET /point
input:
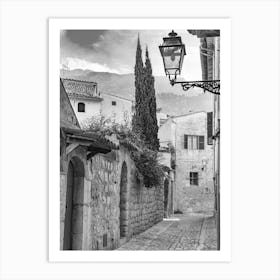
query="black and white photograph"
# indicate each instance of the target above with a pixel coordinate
(140, 139)
(131, 140)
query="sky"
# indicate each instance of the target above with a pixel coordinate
(114, 51)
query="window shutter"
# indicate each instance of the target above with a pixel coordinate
(201, 142)
(186, 141)
(196, 178)
(209, 128)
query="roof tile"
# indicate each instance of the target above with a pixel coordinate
(79, 88)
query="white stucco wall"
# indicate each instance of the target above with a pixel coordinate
(92, 108)
(120, 112)
(165, 158)
(166, 133)
(161, 116)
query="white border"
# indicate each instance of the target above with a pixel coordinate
(224, 255)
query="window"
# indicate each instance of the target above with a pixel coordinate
(194, 178)
(209, 128)
(81, 107)
(114, 103)
(193, 142)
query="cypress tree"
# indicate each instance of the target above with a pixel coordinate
(137, 121)
(151, 128)
(144, 121)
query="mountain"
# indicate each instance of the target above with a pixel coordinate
(175, 105)
(172, 100)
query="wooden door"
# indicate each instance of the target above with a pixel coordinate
(67, 244)
(166, 183)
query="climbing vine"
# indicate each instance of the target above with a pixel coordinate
(145, 159)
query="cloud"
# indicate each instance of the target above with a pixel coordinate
(114, 51)
(76, 63)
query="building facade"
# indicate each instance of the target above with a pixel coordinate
(88, 102)
(210, 66)
(117, 108)
(103, 202)
(188, 135)
(84, 98)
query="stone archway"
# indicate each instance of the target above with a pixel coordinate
(123, 202)
(73, 223)
(166, 187)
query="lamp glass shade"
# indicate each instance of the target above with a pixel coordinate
(172, 51)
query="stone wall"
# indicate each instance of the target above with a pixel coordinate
(104, 199)
(106, 211)
(145, 205)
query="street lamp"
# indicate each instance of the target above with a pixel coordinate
(173, 51)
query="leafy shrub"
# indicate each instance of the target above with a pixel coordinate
(146, 160)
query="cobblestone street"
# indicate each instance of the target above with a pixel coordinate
(180, 232)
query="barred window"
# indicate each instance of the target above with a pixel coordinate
(194, 178)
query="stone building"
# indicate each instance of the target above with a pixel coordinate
(88, 102)
(210, 66)
(193, 159)
(102, 200)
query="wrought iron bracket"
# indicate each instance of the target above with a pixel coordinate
(217, 135)
(211, 86)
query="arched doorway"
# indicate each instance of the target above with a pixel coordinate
(166, 184)
(123, 202)
(73, 223)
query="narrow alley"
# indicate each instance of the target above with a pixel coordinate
(193, 231)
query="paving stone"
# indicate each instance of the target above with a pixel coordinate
(181, 232)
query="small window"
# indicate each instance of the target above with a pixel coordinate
(114, 103)
(194, 178)
(81, 107)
